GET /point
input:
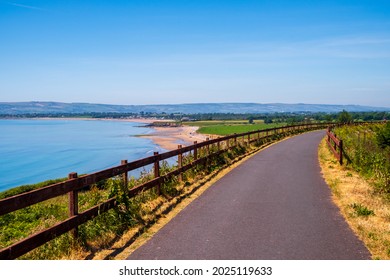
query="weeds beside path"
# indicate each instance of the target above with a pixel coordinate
(366, 211)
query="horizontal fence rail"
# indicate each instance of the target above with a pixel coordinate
(75, 183)
(335, 144)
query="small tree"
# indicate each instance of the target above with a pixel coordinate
(345, 117)
(328, 118)
(250, 120)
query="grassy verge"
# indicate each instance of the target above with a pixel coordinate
(366, 210)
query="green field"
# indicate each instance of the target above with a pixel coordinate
(231, 127)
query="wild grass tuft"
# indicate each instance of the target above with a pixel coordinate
(361, 210)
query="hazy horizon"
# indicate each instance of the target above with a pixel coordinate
(192, 103)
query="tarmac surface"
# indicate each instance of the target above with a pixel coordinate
(274, 206)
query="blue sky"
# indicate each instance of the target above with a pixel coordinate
(159, 52)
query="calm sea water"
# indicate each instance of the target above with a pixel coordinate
(33, 151)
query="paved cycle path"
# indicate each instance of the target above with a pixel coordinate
(275, 205)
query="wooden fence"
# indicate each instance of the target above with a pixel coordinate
(75, 183)
(335, 144)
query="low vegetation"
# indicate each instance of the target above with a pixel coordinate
(27, 188)
(367, 150)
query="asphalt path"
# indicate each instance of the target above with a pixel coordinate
(274, 206)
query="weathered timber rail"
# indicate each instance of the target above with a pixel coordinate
(335, 144)
(75, 183)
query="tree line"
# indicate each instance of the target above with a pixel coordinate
(289, 118)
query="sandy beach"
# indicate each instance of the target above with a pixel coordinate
(170, 137)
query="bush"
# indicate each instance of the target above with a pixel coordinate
(383, 136)
(344, 117)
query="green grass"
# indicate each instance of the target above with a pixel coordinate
(361, 210)
(231, 127)
(27, 188)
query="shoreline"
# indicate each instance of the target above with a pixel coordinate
(169, 138)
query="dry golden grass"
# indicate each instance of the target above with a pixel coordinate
(350, 189)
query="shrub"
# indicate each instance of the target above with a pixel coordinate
(367, 153)
(383, 136)
(344, 117)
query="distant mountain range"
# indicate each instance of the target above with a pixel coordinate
(19, 108)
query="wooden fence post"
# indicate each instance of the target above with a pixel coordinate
(235, 140)
(341, 152)
(195, 151)
(73, 204)
(207, 149)
(180, 162)
(125, 177)
(157, 172)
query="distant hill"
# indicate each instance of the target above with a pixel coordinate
(18, 108)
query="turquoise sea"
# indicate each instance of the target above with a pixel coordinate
(35, 150)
